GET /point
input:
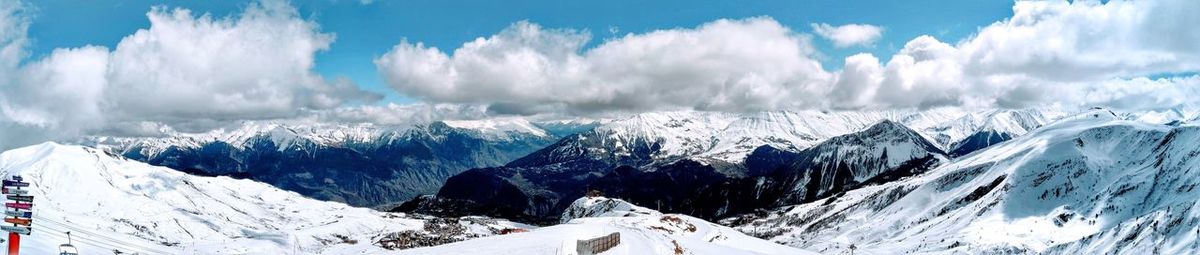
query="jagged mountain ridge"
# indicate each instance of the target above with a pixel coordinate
(1091, 183)
(885, 151)
(729, 137)
(532, 189)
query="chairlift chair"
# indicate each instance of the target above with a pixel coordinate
(67, 248)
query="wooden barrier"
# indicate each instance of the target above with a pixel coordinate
(597, 245)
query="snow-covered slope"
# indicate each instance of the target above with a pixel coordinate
(500, 128)
(849, 160)
(596, 206)
(1091, 183)
(640, 233)
(111, 203)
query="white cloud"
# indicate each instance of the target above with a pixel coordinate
(256, 65)
(1044, 54)
(751, 64)
(184, 70)
(1088, 41)
(1047, 53)
(192, 72)
(849, 35)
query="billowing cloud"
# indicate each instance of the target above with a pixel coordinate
(258, 64)
(751, 64)
(1048, 53)
(1088, 40)
(848, 35)
(185, 69)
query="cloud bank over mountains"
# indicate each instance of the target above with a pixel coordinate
(185, 69)
(752, 64)
(1074, 54)
(193, 72)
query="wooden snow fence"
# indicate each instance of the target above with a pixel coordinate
(597, 245)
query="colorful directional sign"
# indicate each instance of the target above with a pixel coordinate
(16, 229)
(19, 221)
(20, 216)
(20, 198)
(19, 206)
(14, 183)
(11, 213)
(10, 183)
(9, 191)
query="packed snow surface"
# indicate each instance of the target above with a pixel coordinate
(648, 232)
(109, 203)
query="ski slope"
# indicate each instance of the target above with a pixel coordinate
(109, 203)
(643, 231)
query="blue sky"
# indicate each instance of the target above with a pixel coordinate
(366, 31)
(194, 74)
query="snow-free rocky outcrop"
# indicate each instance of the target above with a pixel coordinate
(642, 231)
(110, 203)
(362, 165)
(1092, 183)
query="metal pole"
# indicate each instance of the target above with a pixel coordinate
(14, 243)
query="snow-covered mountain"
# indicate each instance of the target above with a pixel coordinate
(597, 206)
(382, 165)
(882, 153)
(1092, 183)
(530, 188)
(363, 164)
(648, 232)
(109, 203)
(730, 137)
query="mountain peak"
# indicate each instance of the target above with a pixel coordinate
(499, 126)
(888, 125)
(597, 206)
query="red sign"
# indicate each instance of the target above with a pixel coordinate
(25, 206)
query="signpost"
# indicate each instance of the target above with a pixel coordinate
(19, 212)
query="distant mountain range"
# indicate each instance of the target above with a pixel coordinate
(930, 181)
(363, 165)
(686, 161)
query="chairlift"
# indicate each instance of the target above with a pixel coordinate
(67, 248)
